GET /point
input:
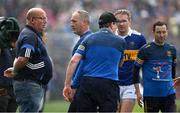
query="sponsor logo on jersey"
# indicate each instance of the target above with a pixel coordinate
(81, 47)
(130, 55)
(132, 44)
(169, 54)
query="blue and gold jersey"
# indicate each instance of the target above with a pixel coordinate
(130, 55)
(102, 52)
(156, 62)
(134, 41)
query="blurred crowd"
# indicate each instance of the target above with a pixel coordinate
(144, 14)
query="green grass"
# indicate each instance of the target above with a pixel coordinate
(56, 106)
(62, 106)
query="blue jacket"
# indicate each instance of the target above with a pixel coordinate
(6, 61)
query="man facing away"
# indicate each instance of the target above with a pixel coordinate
(102, 52)
(32, 68)
(158, 61)
(134, 41)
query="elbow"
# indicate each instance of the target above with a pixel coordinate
(75, 59)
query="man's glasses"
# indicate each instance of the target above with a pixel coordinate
(122, 21)
(41, 18)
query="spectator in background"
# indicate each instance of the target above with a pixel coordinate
(80, 22)
(134, 41)
(98, 85)
(158, 61)
(32, 67)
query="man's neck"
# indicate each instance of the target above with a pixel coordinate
(84, 32)
(123, 33)
(159, 44)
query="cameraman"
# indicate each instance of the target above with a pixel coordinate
(7, 55)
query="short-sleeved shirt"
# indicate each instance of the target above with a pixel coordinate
(86, 34)
(30, 45)
(102, 52)
(157, 69)
(78, 73)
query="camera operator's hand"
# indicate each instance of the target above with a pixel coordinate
(10, 73)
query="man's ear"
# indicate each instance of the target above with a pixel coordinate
(32, 19)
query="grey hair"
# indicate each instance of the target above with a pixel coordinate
(84, 16)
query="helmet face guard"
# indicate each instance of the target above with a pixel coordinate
(9, 31)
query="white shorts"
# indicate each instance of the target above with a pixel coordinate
(127, 92)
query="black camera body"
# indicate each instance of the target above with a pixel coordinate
(9, 31)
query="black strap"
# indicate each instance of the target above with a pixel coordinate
(136, 77)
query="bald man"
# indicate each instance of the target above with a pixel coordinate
(32, 67)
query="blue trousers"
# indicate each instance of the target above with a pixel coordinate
(29, 95)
